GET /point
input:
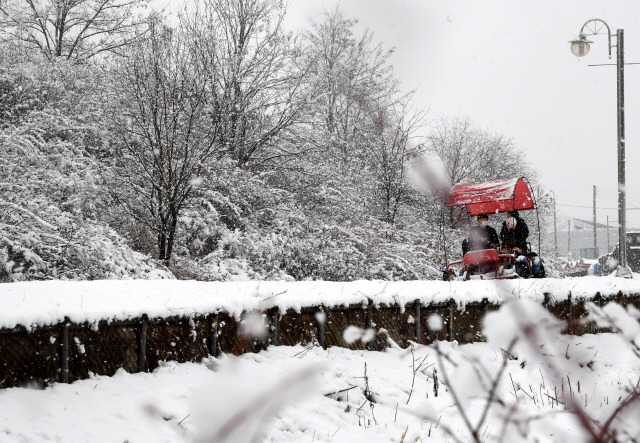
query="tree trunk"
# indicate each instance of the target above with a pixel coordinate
(162, 244)
(171, 238)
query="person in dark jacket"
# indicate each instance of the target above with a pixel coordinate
(481, 236)
(514, 233)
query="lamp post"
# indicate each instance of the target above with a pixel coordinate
(580, 48)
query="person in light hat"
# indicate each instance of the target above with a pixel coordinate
(514, 233)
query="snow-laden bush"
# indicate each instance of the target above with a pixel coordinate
(276, 238)
(94, 252)
(53, 204)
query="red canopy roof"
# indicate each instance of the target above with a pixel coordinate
(492, 197)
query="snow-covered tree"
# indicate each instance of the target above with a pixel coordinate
(472, 155)
(389, 150)
(73, 29)
(52, 222)
(228, 148)
(168, 138)
(257, 90)
(351, 75)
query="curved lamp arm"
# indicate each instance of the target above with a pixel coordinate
(596, 30)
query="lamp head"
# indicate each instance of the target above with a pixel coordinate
(580, 47)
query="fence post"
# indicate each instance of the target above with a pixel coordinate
(369, 316)
(485, 311)
(142, 343)
(598, 301)
(275, 318)
(416, 323)
(570, 314)
(368, 320)
(450, 321)
(213, 335)
(320, 321)
(64, 351)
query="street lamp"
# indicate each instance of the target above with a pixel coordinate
(580, 48)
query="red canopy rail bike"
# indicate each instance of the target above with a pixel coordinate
(493, 198)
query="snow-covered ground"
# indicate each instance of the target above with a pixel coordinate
(526, 383)
(48, 302)
(317, 395)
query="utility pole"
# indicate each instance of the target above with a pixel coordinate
(622, 198)
(595, 231)
(569, 237)
(608, 247)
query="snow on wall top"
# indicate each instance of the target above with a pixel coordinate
(48, 302)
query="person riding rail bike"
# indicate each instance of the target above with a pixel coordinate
(514, 233)
(481, 236)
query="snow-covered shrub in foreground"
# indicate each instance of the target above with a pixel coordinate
(250, 403)
(527, 383)
(557, 377)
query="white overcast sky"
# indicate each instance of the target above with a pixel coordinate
(507, 65)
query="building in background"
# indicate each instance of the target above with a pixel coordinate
(582, 239)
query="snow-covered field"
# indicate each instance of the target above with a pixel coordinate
(309, 394)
